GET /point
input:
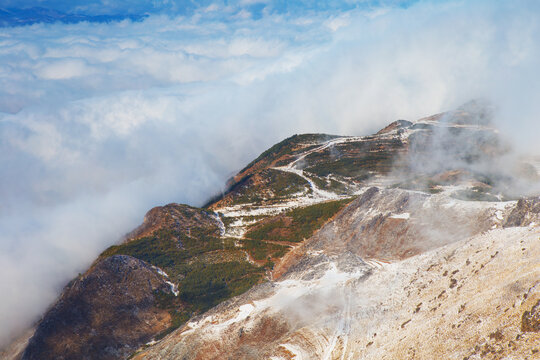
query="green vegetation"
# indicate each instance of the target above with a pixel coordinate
(261, 250)
(358, 160)
(168, 249)
(360, 168)
(286, 146)
(201, 285)
(206, 285)
(266, 231)
(227, 221)
(297, 224)
(284, 184)
(330, 185)
(281, 184)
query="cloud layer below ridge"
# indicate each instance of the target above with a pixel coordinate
(99, 122)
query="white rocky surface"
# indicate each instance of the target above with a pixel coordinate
(462, 299)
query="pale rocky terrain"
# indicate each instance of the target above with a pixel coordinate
(413, 271)
(466, 299)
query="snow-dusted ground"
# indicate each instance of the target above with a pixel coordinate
(440, 304)
(471, 278)
(221, 225)
(404, 216)
(243, 213)
(317, 194)
(174, 287)
(333, 302)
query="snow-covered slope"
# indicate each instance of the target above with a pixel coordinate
(466, 299)
(434, 259)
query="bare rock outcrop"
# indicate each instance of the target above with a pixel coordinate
(105, 314)
(177, 217)
(531, 319)
(526, 212)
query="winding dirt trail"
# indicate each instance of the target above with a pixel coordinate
(292, 167)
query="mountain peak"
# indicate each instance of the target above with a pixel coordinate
(319, 244)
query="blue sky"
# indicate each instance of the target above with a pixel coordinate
(99, 7)
(24, 11)
(104, 120)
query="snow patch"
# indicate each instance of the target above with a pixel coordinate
(174, 288)
(404, 216)
(220, 223)
(161, 272)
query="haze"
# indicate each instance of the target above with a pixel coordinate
(101, 121)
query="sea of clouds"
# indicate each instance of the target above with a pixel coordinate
(99, 122)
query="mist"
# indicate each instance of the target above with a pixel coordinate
(99, 122)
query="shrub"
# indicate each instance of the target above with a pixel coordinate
(301, 224)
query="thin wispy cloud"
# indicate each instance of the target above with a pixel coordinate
(99, 122)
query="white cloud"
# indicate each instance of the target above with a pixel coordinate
(104, 121)
(253, 2)
(64, 69)
(337, 22)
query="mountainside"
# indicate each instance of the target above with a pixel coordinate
(473, 299)
(114, 303)
(415, 242)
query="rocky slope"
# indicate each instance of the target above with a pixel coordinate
(473, 299)
(105, 314)
(412, 242)
(431, 261)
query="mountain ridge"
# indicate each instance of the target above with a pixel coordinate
(359, 204)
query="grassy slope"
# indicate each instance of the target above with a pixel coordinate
(201, 285)
(297, 224)
(286, 148)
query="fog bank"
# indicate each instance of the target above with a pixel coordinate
(99, 122)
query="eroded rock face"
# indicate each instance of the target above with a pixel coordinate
(176, 217)
(391, 224)
(105, 314)
(526, 212)
(531, 319)
(461, 301)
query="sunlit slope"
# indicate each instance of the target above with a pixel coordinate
(304, 226)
